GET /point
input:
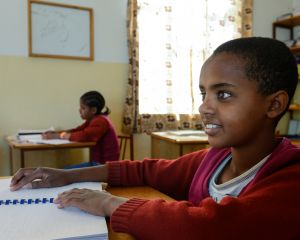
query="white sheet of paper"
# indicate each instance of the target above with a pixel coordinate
(46, 221)
(37, 139)
(187, 133)
(51, 141)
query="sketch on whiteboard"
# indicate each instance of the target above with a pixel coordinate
(60, 30)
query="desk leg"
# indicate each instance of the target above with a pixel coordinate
(11, 160)
(22, 158)
(180, 150)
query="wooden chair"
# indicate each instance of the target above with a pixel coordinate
(123, 142)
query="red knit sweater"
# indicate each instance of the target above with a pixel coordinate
(267, 208)
(101, 131)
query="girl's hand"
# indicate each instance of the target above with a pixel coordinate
(50, 135)
(99, 203)
(38, 178)
(65, 135)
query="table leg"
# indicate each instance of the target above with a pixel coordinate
(180, 150)
(22, 158)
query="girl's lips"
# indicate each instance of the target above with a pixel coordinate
(212, 129)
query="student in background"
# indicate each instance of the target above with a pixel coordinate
(246, 186)
(96, 128)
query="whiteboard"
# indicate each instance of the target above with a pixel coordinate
(59, 30)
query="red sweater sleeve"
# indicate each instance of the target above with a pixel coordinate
(172, 177)
(80, 127)
(90, 131)
(269, 210)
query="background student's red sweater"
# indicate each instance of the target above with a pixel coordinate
(267, 208)
(101, 131)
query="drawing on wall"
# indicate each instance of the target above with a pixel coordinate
(60, 31)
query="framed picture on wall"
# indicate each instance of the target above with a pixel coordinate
(60, 31)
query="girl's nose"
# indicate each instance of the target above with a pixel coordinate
(206, 107)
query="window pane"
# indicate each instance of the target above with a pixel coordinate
(175, 38)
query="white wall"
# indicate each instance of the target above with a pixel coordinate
(110, 28)
(265, 12)
(110, 25)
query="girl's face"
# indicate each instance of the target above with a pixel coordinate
(233, 112)
(86, 112)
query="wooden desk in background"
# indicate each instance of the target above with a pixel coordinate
(170, 146)
(23, 147)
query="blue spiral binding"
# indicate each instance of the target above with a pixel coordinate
(26, 201)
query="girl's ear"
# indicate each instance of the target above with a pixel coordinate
(94, 110)
(278, 103)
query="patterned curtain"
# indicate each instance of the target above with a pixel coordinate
(157, 97)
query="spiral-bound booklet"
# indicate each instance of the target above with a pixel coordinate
(31, 214)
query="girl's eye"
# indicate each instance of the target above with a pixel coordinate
(202, 95)
(224, 95)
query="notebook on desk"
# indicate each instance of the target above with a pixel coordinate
(23, 132)
(35, 136)
(37, 139)
(31, 214)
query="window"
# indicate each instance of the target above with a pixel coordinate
(175, 38)
(168, 41)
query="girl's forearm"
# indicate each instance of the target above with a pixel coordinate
(92, 174)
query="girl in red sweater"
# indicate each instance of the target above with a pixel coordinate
(96, 128)
(247, 186)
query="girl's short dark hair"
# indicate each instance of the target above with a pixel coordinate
(95, 99)
(269, 62)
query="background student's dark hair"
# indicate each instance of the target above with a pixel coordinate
(95, 99)
(267, 61)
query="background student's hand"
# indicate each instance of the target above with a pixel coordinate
(50, 135)
(47, 177)
(96, 202)
(65, 135)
